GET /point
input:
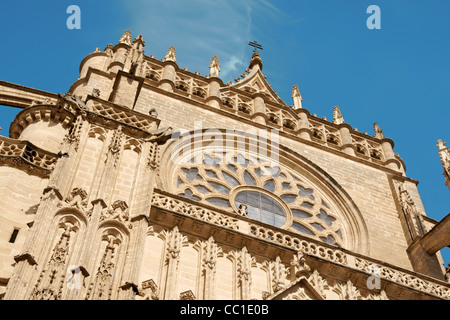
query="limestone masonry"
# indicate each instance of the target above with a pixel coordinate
(148, 181)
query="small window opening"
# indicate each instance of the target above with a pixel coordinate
(13, 237)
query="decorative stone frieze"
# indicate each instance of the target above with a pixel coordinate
(26, 156)
(207, 215)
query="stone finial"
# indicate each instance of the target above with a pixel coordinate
(109, 49)
(444, 154)
(255, 61)
(378, 132)
(126, 38)
(337, 116)
(171, 55)
(297, 97)
(139, 41)
(214, 67)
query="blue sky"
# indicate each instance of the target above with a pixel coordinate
(398, 76)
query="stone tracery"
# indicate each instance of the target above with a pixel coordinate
(221, 182)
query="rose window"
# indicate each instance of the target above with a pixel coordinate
(268, 193)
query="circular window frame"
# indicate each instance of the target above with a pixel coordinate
(355, 232)
(289, 217)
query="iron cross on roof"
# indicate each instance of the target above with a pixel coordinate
(256, 45)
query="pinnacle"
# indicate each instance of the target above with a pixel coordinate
(255, 61)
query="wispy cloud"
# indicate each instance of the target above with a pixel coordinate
(200, 29)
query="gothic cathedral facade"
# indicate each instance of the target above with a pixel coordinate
(148, 181)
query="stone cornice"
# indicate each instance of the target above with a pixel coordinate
(19, 96)
(178, 204)
(85, 79)
(122, 115)
(40, 112)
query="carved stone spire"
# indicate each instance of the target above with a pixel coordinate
(214, 67)
(138, 42)
(337, 116)
(444, 154)
(115, 145)
(378, 132)
(171, 55)
(51, 282)
(174, 242)
(278, 271)
(244, 280)
(211, 251)
(136, 64)
(153, 156)
(126, 38)
(351, 292)
(101, 287)
(297, 97)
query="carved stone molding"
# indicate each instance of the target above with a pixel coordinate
(101, 285)
(333, 255)
(41, 112)
(299, 265)
(149, 290)
(73, 137)
(405, 279)
(51, 282)
(244, 262)
(297, 243)
(153, 156)
(201, 213)
(115, 146)
(118, 211)
(187, 295)
(78, 199)
(26, 256)
(26, 156)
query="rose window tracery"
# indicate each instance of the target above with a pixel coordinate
(271, 194)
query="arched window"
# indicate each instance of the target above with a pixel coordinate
(261, 207)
